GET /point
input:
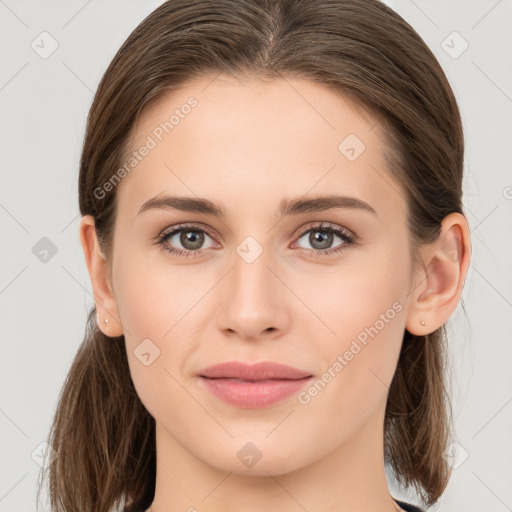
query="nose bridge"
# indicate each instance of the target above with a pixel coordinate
(251, 278)
(253, 300)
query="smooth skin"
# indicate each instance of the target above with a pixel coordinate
(246, 146)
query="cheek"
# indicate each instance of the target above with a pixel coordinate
(362, 322)
(354, 296)
(150, 297)
(156, 307)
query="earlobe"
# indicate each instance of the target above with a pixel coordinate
(439, 285)
(106, 306)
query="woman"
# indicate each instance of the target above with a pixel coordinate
(272, 221)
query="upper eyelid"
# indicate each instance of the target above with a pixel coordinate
(180, 227)
(323, 225)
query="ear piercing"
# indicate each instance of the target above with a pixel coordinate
(422, 323)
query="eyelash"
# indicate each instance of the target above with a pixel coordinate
(347, 238)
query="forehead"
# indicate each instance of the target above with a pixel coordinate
(218, 137)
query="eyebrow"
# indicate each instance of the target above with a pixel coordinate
(288, 206)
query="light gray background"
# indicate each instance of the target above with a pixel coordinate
(44, 303)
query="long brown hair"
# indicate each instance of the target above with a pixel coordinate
(104, 437)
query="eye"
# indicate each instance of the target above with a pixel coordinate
(321, 238)
(191, 238)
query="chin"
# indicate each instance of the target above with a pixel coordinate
(254, 456)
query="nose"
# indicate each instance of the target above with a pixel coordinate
(254, 302)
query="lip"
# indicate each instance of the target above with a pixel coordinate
(252, 386)
(258, 371)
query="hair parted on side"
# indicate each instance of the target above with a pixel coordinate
(104, 436)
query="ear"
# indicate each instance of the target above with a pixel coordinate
(439, 283)
(106, 306)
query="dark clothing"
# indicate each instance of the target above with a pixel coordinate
(409, 508)
(405, 506)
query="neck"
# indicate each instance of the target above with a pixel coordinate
(350, 478)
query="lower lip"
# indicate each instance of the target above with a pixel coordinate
(255, 394)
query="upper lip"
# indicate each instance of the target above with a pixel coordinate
(258, 371)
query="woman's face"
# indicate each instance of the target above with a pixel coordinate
(257, 284)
